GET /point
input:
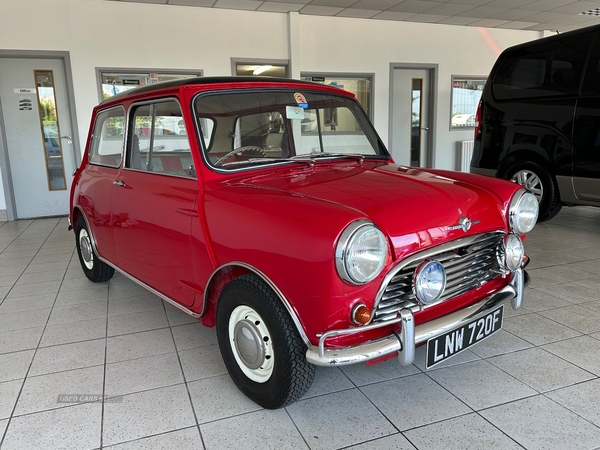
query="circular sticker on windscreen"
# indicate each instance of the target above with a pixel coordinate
(301, 100)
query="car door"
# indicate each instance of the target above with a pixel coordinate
(154, 200)
(96, 180)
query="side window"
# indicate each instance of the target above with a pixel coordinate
(591, 81)
(107, 140)
(548, 69)
(159, 141)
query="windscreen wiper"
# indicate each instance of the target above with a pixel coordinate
(316, 155)
(306, 161)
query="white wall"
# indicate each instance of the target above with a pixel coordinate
(133, 35)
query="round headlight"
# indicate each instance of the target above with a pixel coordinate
(361, 252)
(513, 252)
(523, 211)
(429, 281)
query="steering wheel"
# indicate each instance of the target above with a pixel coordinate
(240, 150)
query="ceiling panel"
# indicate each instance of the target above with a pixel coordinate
(414, 6)
(562, 15)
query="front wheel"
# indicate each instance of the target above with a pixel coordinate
(537, 180)
(260, 345)
(93, 268)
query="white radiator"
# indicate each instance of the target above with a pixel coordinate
(464, 151)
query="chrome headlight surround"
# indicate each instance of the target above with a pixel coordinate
(361, 252)
(512, 252)
(523, 212)
(429, 281)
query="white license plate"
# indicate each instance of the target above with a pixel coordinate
(449, 344)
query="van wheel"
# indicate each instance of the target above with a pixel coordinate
(260, 345)
(537, 180)
(93, 268)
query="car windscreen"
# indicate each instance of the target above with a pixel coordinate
(241, 130)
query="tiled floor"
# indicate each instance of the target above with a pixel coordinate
(535, 385)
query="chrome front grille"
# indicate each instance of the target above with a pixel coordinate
(469, 263)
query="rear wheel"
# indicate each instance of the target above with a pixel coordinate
(537, 180)
(260, 345)
(93, 268)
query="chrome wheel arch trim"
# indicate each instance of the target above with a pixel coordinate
(272, 285)
(131, 277)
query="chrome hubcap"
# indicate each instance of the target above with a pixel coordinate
(248, 344)
(251, 344)
(530, 181)
(85, 246)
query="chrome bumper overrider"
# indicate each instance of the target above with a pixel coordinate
(410, 335)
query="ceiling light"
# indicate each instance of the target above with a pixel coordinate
(261, 69)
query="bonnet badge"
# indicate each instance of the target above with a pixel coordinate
(464, 223)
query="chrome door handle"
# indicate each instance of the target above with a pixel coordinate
(69, 138)
(119, 182)
(425, 128)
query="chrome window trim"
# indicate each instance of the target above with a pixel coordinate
(162, 174)
(314, 89)
(127, 146)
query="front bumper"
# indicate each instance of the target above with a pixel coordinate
(410, 335)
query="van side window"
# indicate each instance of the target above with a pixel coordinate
(591, 80)
(106, 148)
(548, 69)
(158, 140)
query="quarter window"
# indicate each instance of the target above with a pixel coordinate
(107, 139)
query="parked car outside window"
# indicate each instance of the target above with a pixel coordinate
(303, 245)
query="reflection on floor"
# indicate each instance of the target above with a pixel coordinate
(534, 385)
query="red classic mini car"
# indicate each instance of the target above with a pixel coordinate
(271, 209)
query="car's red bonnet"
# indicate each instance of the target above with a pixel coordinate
(413, 207)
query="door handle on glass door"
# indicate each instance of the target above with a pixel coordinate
(69, 139)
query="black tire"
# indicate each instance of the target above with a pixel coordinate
(96, 270)
(538, 181)
(279, 367)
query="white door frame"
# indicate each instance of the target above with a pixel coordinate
(433, 85)
(9, 194)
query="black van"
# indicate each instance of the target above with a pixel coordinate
(538, 122)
